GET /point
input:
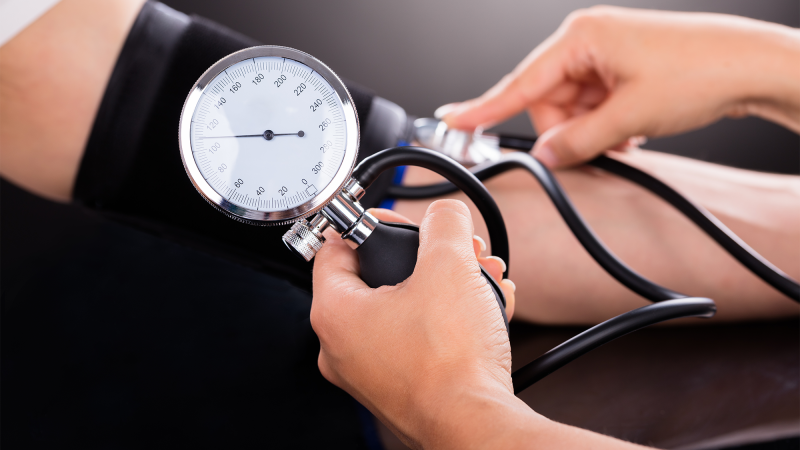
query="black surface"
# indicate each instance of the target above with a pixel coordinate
(671, 386)
(779, 444)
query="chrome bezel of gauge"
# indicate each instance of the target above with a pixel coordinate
(269, 217)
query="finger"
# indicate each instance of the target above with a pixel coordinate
(479, 245)
(445, 240)
(583, 137)
(540, 72)
(387, 215)
(509, 292)
(545, 115)
(494, 265)
(336, 266)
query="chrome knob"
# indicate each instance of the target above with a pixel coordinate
(305, 238)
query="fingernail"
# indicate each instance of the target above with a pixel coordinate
(546, 156)
(638, 141)
(513, 286)
(445, 110)
(502, 263)
(481, 242)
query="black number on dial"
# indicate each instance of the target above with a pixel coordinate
(283, 190)
(239, 183)
(300, 89)
(316, 169)
(235, 87)
(280, 80)
(258, 79)
(325, 124)
(317, 103)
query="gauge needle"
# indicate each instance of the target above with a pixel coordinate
(268, 135)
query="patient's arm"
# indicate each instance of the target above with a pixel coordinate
(52, 78)
(558, 282)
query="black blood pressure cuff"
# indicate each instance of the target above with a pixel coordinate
(132, 171)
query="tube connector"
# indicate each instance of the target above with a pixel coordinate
(305, 238)
(344, 214)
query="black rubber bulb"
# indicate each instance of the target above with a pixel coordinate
(389, 255)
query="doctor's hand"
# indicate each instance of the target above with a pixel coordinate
(430, 356)
(609, 76)
(407, 351)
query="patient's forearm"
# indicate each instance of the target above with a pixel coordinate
(52, 78)
(557, 281)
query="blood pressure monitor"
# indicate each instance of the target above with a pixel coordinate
(269, 135)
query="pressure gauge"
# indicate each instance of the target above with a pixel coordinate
(269, 135)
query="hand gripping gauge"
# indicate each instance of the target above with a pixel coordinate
(269, 136)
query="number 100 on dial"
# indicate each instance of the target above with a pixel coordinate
(269, 131)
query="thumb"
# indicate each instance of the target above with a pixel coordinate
(445, 240)
(585, 136)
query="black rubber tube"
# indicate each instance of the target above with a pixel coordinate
(717, 230)
(619, 270)
(673, 305)
(482, 171)
(370, 168)
(607, 331)
(697, 214)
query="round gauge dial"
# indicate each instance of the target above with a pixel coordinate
(269, 134)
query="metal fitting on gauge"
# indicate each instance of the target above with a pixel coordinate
(347, 216)
(343, 211)
(305, 237)
(468, 148)
(344, 214)
(354, 189)
(360, 231)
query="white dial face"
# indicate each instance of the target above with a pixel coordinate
(268, 134)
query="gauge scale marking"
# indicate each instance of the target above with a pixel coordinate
(272, 135)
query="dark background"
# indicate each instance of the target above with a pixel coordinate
(422, 54)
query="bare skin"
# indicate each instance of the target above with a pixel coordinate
(52, 78)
